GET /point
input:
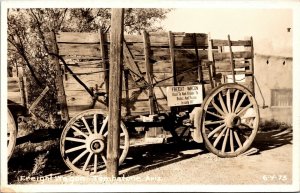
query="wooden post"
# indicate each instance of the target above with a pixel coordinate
(200, 75)
(231, 59)
(172, 56)
(149, 72)
(115, 95)
(61, 96)
(251, 49)
(22, 90)
(104, 60)
(211, 66)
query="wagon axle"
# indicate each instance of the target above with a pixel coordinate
(96, 144)
(232, 120)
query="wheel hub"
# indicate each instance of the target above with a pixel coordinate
(232, 120)
(95, 143)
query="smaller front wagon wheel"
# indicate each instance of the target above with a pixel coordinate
(230, 120)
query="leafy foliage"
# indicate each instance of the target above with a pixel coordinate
(28, 44)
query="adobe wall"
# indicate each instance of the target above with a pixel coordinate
(273, 72)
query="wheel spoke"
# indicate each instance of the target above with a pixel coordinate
(237, 139)
(86, 125)
(217, 108)
(79, 156)
(76, 124)
(103, 125)
(222, 103)
(240, 103)
(95, 123)
(219, 137)
(75, 139)
(228, 101)
(231, 141)
(213, 122)
(105, 134)
(215, 130)
(75, 149)
(234, 99)
(225, 141)
(244, 109)
(95, 163)
(211, 113)
(87, 161)
(78, 131)
(104, 159)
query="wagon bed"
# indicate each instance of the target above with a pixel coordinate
(153, 61)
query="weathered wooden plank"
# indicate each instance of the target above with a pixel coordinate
(13, 87)
(82, 37)
(79, 49)
(88, 38)
(217, 42)
(12, 80)
(141, 107)
(91, 69)
(225, 65)
(85, 64)
(78, 101)
(156, 39)
(158, 67)
(226, 55)
(185, 40)
(14, 96)
(159, 92)
(91, 80)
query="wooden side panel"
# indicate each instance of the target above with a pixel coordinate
(77, 97)
(216, 42)
(13, 90)
(79, 49)
(90, 71)
(13, 84)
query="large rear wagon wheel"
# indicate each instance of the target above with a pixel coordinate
(83, 142)
(230, 120)
(11, 134)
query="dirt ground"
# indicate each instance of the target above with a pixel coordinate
(174, 163)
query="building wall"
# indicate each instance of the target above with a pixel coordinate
(273, 87)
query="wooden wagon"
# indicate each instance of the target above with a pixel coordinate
(187, 83)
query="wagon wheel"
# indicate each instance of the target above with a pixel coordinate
(11, 134)
(83, 142)
(230, 120)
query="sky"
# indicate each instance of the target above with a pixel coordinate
(268, 27)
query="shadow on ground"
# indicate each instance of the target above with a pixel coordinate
(272, 136)
(152, 156)
(144, 157)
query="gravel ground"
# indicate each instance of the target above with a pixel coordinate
(191, 164)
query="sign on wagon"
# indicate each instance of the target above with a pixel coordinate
(184, 95)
